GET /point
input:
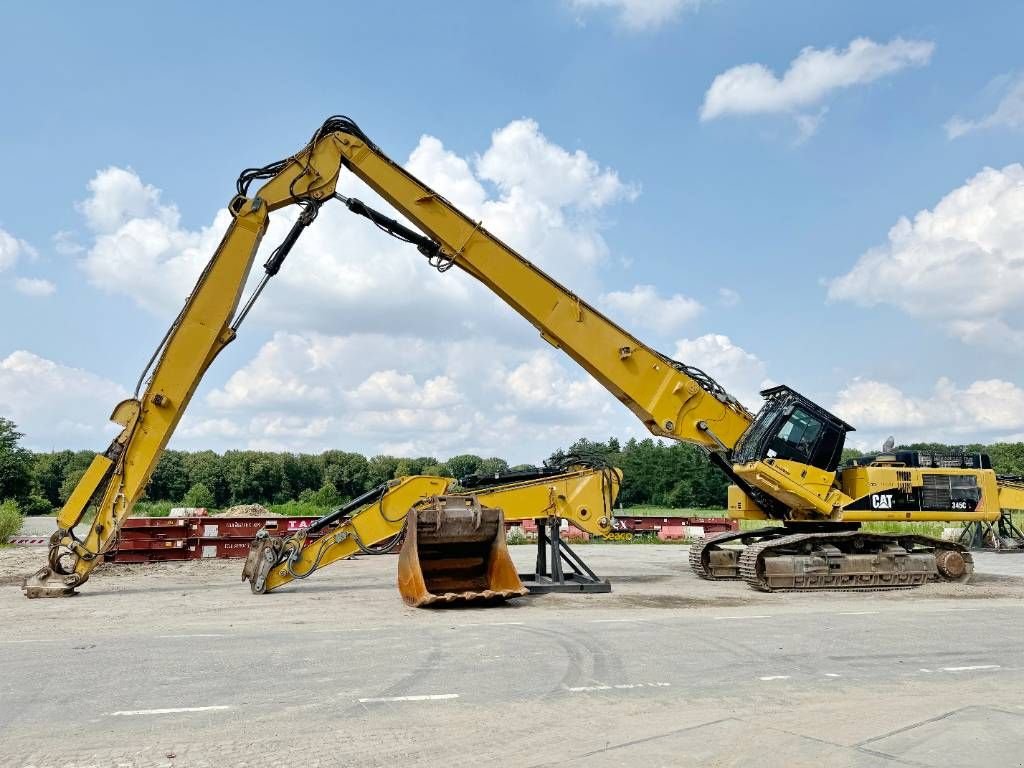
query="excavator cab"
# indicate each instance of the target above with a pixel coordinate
(790, 427)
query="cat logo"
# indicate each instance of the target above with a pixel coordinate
(881, 501)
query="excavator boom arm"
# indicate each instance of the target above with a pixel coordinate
(584, 496)
(671, 399)
(206, 324)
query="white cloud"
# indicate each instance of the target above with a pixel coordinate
(34, 286)
(642, 306)
(546, 206)
(66, 243)
(728, 297)
(417, 363)
(312, 391)
(751, 89)
(742, 374)
(118, 195)
(1009, 113)
(54, 405)
(960, 264)
(11, 249)
(982, 411)
(639, 14)
(521, 160)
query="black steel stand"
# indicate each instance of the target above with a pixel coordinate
(566, 571)
(977, 535)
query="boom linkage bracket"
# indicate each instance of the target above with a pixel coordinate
(559, 568)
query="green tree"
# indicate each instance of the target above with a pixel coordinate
(16, 463)
(327, 496)
(169, 481)
(10, 519)
(463, 464)
(199, 496)
(380, 469)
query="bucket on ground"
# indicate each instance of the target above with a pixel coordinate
(455, 552)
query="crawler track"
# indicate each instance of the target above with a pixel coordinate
(851, 561)
(709, 561)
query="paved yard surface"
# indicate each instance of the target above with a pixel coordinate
(179, 665)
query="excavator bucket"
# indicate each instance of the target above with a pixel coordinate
(455, 552)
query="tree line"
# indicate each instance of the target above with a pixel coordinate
(655, 473)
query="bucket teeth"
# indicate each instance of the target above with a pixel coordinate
(455, 552)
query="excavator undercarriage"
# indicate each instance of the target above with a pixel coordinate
(778, 559)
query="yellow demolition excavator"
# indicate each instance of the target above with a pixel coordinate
(784, 462)
(452, 544)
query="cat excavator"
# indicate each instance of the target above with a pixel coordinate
(453, 546)
(784, 462)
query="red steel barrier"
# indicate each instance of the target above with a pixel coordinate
(149, 539)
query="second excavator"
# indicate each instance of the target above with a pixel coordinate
(452, 544)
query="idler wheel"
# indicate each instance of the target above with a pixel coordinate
(951, 564)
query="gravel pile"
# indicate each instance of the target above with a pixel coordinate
(247, 510)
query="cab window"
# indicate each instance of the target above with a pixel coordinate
(797, 438)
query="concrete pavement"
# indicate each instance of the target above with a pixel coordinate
(667, 670)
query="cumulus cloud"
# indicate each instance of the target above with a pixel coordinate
(751, 89)
(742, 374)
(309, 391)
(960, 263)
(546, 204)
(638, 14)
(1009, 112)
(642, 306)
(11, 249)
(33, 286)
(982, 411)
(55, 405)
(415, 364)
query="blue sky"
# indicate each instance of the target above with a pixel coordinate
(746, 226)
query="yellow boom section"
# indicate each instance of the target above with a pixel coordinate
(117, 478)
(585, 497)
(668, 401)
(1011, 493)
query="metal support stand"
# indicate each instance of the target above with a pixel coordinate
(564, 571)
(980, 534)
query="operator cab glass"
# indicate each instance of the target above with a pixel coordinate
(792, 428)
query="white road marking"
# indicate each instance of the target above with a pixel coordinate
(968, 669)
(856, 613)
(42, 640)
(727, 618)
(922, 669)
(492, 624)
(347, 629)
(422, 697)
(831, 674)
(619, 687)
(167, 711)
(613, 621)
(774, 677)
(176, 637)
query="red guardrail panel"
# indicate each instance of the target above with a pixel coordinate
(201, 549)
(137, 544)
(244, 527)
(147, 523)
